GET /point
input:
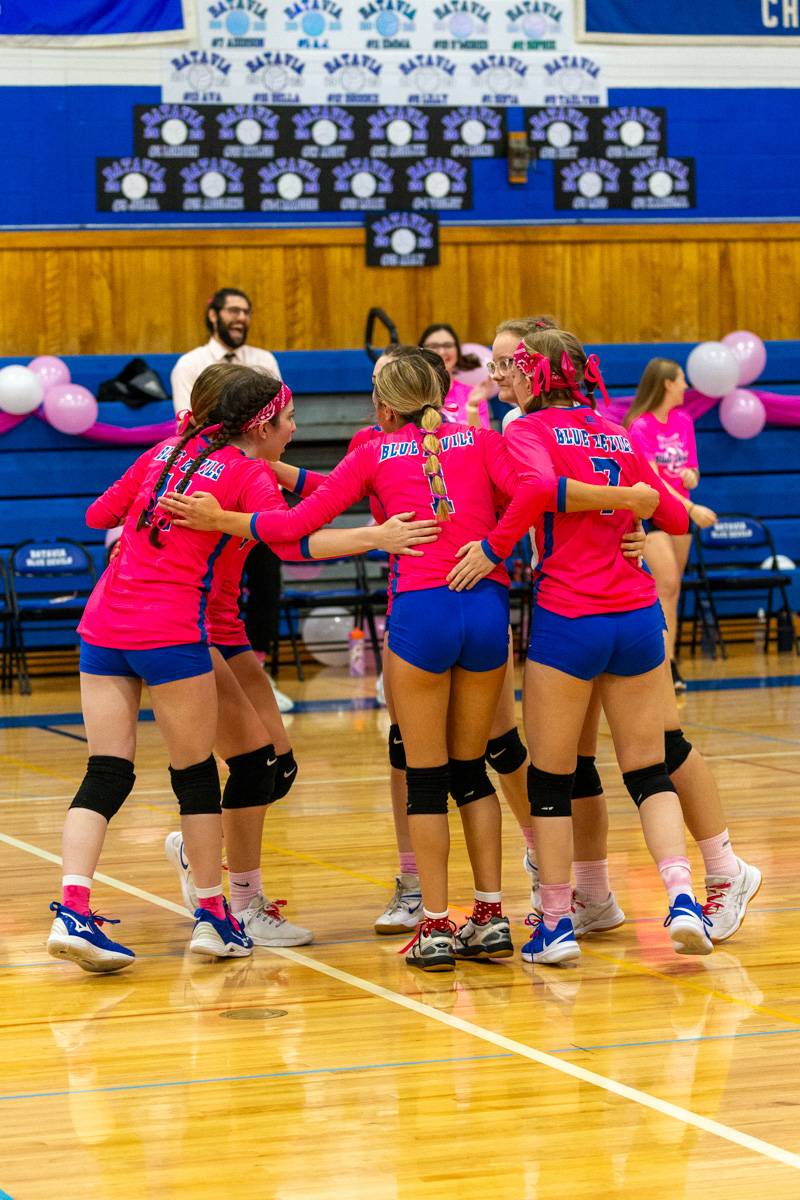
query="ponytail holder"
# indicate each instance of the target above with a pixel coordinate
(184, 419)
(592, 375)
(212, 428)
(569, 376)
(270, 410)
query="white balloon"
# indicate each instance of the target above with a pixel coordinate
(782, 563)
(712, 368)
(21, 391)
(325, 632)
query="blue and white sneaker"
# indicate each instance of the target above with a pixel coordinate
(533, 872)
(550, 946)
(79, 939)
(224, 938)
(176, 854)
(688, 926)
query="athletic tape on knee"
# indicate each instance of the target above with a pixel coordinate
(469, 781)
(197, 788)
(428, 789)
(587, 778)
(285, 775)
(251, 782)
(397, 751)
(676, 749)
(506, 753)
(106, 785)
(647, 781)
(550, 795)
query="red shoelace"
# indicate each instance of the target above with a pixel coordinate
(716, 898)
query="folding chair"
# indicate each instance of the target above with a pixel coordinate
(50, 580)
(727, 557)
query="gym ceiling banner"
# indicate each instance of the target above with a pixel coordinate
(95, 22)
(653, 22)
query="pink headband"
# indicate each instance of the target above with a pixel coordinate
(538, 369)
(276, 405)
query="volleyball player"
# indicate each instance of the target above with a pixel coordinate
(145, 622)
(596, 616)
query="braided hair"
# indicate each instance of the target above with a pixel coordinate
(410, 386)
(553, 343)
(243, 394)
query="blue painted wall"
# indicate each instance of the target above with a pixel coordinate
(746, 143)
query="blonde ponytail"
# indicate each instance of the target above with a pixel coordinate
(431, 422)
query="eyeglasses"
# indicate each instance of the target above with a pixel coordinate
(501, 367)
(439, 346)
(236, 310)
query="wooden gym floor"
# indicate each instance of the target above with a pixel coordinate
(334, 1071)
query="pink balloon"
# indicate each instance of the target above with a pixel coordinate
(52, 371)
(477, 374)
(70, 408)
(750, 353)
(742, 414)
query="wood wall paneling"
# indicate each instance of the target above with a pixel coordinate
(126, 291)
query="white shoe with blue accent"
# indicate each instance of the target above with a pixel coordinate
(78, 938)
(688, 926)
(533, 872)
(176, 854)
(550, 946)
(225, 938)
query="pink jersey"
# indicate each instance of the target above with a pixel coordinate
(475, 466)
(148, 597)
(581, 570)
(669, 444)
(455, 404)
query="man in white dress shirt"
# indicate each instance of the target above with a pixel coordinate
(228, 317)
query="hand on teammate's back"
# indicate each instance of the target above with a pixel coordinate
(401, 532)
(473, 567)
(703, 517)
(201, 510)
(645, 501)
(633, 543)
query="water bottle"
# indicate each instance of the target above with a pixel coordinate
(760, 634)
(356, 640)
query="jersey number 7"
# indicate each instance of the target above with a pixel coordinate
(612, 471)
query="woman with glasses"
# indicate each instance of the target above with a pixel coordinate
(463, 402)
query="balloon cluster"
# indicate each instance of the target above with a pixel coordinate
(723, 369)
(46, 381)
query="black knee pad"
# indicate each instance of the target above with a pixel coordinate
(428, 789)
(106, 785)
(469, 781)
(550, 795)
(251, 782)
(506, 753)
(197, 788)
(647, 781)
(676, 749)
(397, 751)
(285, 775)
(587, 778)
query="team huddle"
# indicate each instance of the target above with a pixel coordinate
(450, 499)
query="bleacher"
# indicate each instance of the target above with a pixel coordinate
(47, 479)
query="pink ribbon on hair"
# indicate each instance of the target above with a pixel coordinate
(183, 418)
(535, 367)
(276, 405)
(570, 383)
(592, 375)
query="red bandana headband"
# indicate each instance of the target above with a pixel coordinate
(538, 369)
(276, 405)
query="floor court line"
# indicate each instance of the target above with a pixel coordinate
(169, 1083)
(663, 1107)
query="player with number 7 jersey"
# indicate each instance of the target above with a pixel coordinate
(581, 569)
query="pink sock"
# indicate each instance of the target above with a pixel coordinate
(556, 902)
(677, 877)
(245, 885)
(212, 904)
(408, 863)
(530, 842)
(76, 895)
(591, 879)
(718, 855)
